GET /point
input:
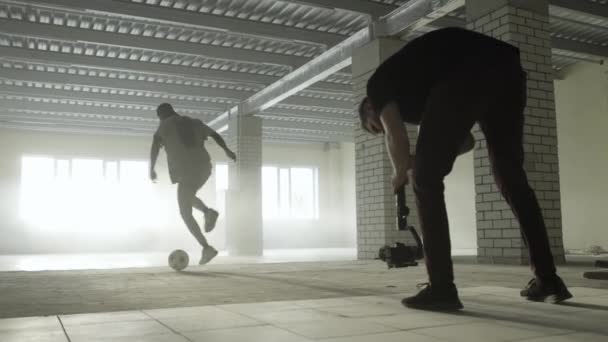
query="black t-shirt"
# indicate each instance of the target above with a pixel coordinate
(407, 76)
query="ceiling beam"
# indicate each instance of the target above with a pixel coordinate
(65, 33)
(279, 111)
(575, 46)
(593, 9)
(99, 109)
(229, 96)
(107, 98)
(311, 126)
(120, 84)
(195, 20)
(338, 57)
(373, 9)
(73, 128)
(305, 101)
(414, 15)
(312, 136)
(55, 119)
(151, 68)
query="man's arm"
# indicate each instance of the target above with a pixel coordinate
(397, 143)
(221, 143)
(154, 150)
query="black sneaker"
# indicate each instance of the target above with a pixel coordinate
(208, 254)
(210, 220)
(434, 299)
(550, 291)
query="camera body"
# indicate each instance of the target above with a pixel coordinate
(401, 255)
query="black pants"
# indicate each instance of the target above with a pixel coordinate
(495, 97)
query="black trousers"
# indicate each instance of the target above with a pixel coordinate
(494, 97)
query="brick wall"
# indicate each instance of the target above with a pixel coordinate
(499, 238)
(244, 225)
(376, 202)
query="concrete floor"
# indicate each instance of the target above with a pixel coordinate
(333, 301)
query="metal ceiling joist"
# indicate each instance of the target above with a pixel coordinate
(72, 128)
(56, 118)
(312, 136)
(413, 15)
(133, 66)
(308, 115)
(593, 9)
(119, 84)
(65, 33)
(228, 96)
(579, 47)
(316, 102)
(338, 57)
(148, 112)
(373, 9)
(273, 123)
(108, 98)
(145, 131)
(151, 68)
(202, 21)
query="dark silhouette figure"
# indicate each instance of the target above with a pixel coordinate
(445, 82)
(189, 166)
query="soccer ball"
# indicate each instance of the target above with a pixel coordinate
(178, 260)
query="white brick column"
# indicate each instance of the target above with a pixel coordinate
(244, 226)
(376, 203)
(524, 24)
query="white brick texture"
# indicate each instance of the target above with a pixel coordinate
(244, 233)
(376, 203)
(499, 239)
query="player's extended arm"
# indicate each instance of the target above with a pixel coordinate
(397, 142)
(154, 150)
(221, 143)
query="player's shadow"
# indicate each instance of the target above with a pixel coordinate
(299, 283)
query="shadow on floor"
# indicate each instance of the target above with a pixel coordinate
(550, 319)
(585, 306)
(337, 291)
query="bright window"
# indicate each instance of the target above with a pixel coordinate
(286, 192)
(221, 185)
(290, 192)
(85, 193)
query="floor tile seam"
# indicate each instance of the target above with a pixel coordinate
(259, 322)
(67, 336)
(248, 315)
(215, 306)
(429, 327)
(181, 333)
(333, 337)
(147, 318)
(168, 327)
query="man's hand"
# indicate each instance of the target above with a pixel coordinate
(230, 155)
(401, 176)
(153, 175)
(400, 179)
